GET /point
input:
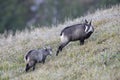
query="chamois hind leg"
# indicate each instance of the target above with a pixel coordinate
(30, 65)
(62, 45)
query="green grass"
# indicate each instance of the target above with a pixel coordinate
(97, 59)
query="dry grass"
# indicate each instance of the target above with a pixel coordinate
(98, 59)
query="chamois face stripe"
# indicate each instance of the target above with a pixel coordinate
(90, 29)
(27, 60)
(86, 28)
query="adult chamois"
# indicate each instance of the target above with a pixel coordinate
(74, 33)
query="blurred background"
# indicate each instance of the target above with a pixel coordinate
(21, 14)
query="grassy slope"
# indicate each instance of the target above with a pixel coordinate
(98, 59)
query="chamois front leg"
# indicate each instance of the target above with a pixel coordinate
(27, 67)
(43, 61)
(81, 41)
(34, 65)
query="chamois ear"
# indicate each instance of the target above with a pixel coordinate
(86, 21)
(90, 22)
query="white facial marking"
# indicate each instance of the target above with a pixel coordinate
(90, 29)
(86, 28)
(27, 61)
(63, 38)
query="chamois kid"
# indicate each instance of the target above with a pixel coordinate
(35, 56)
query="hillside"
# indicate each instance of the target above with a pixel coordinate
(97, 59)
